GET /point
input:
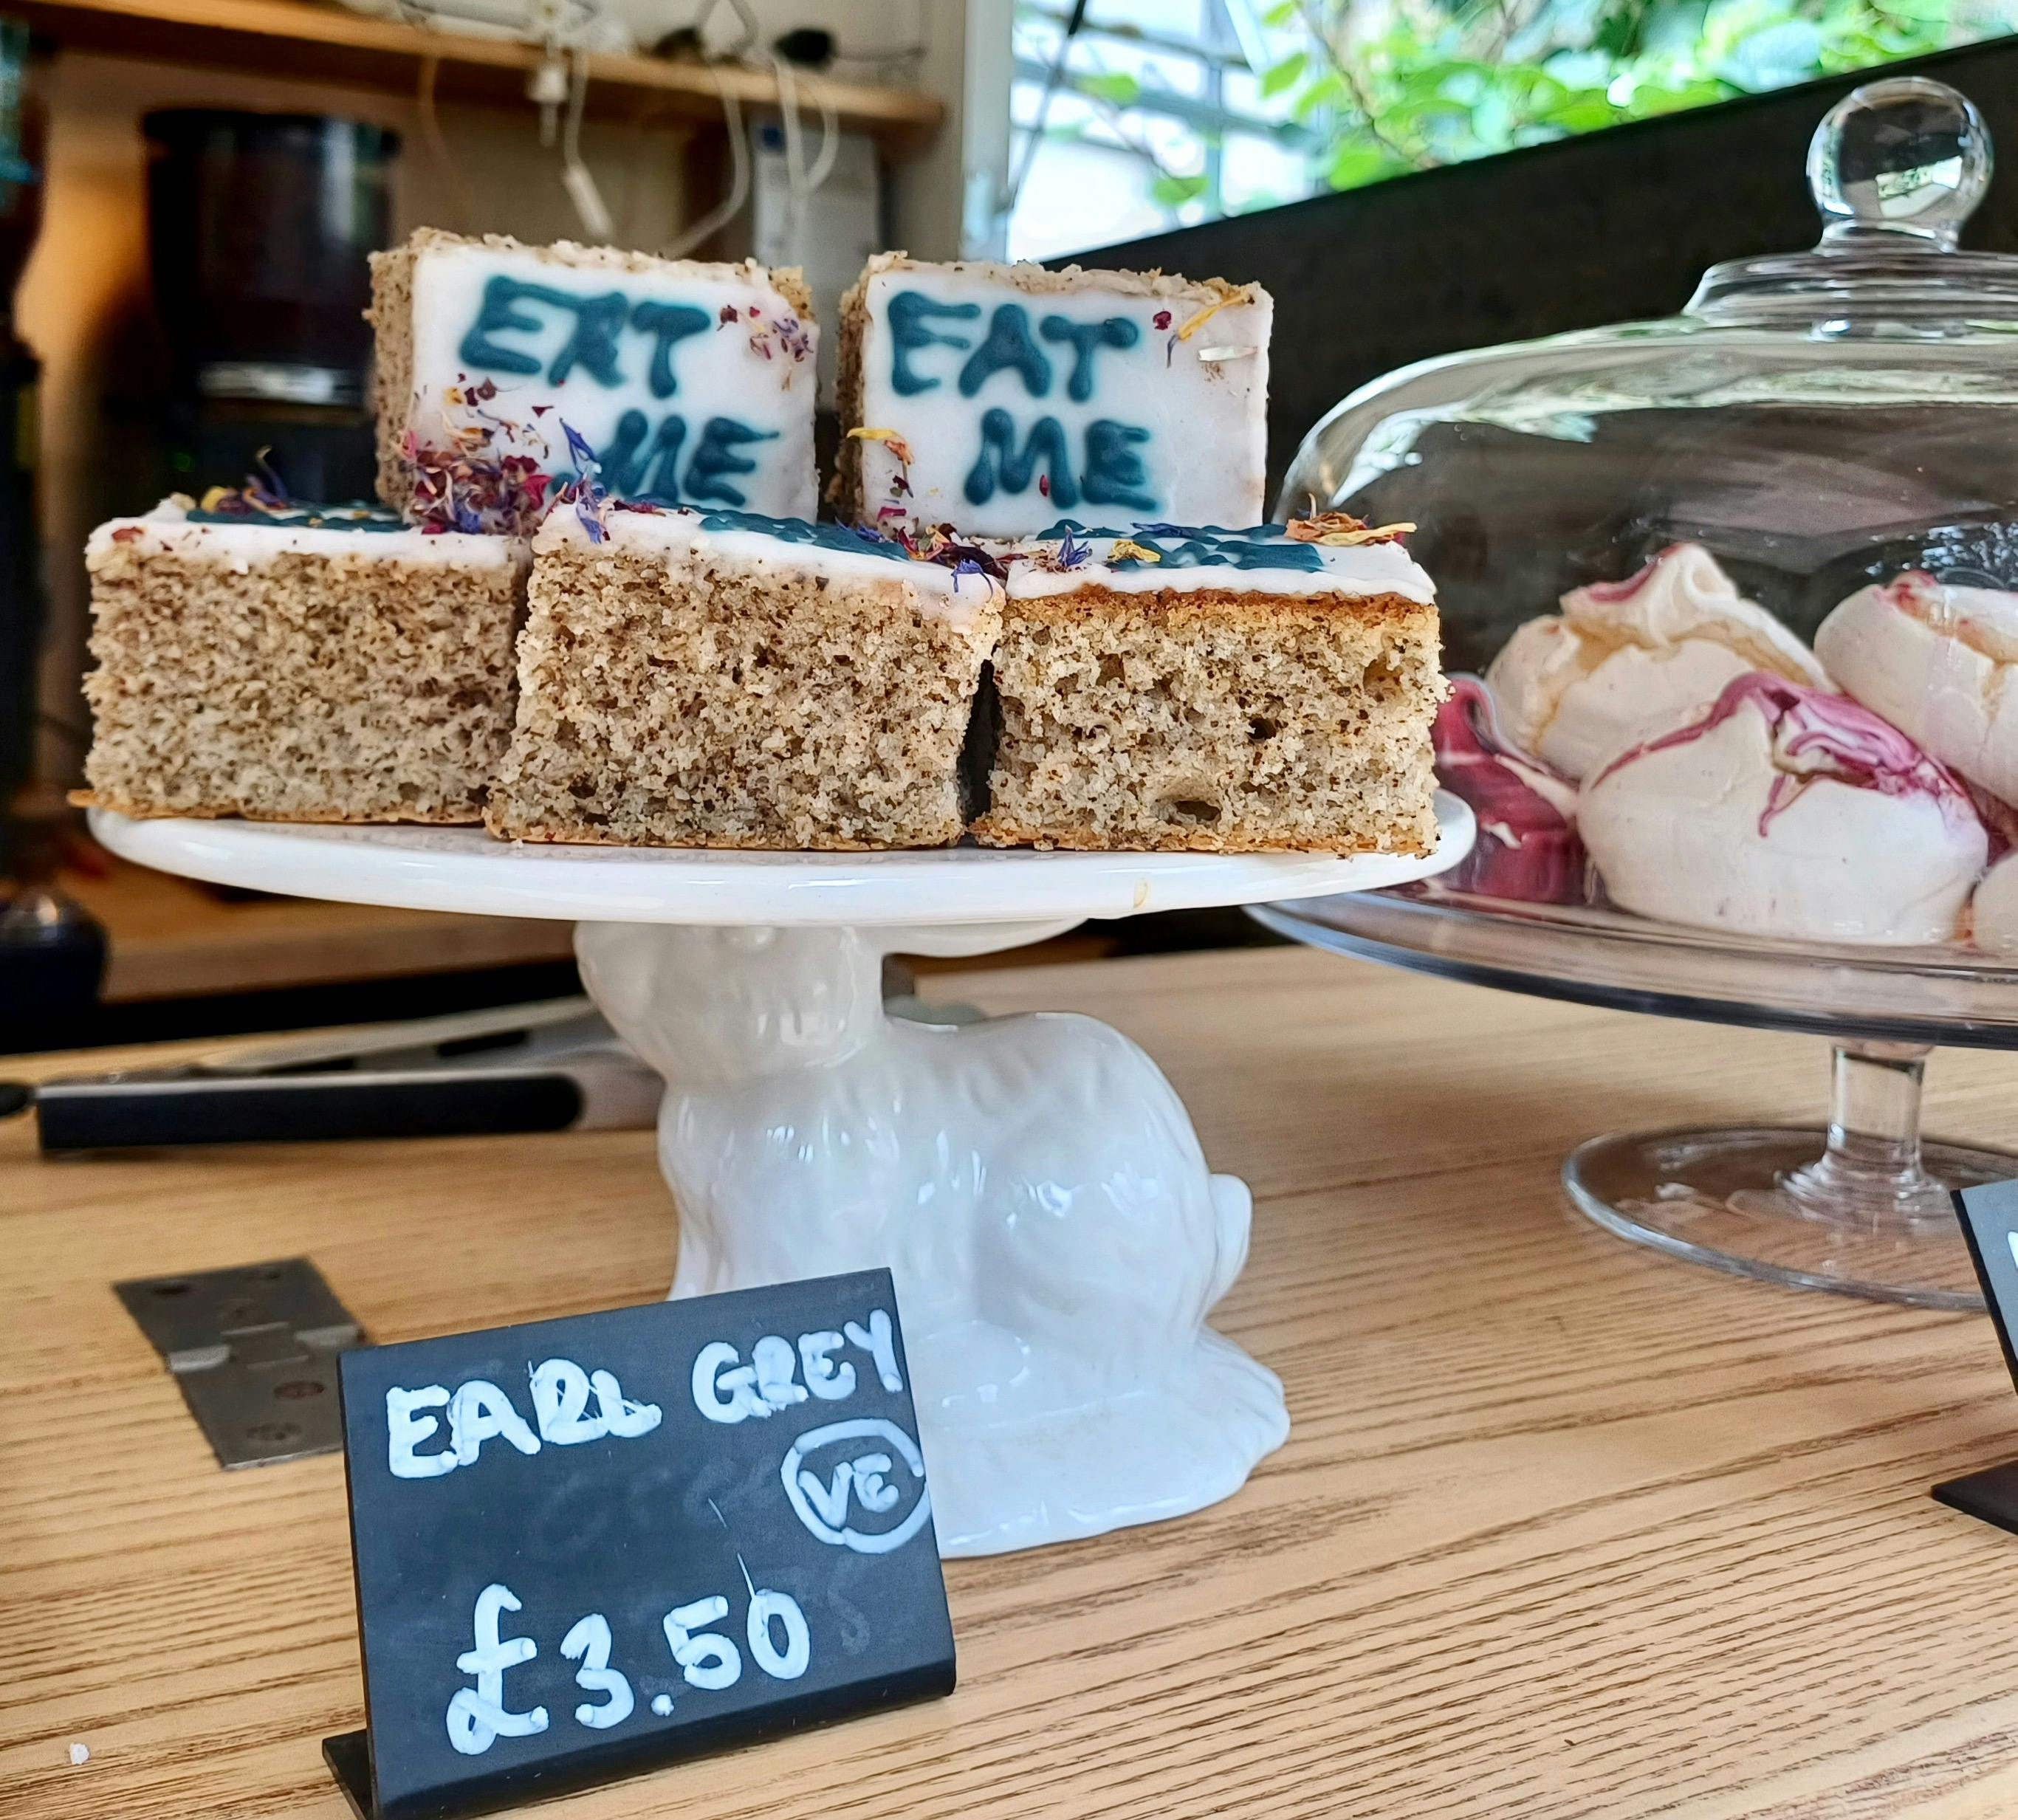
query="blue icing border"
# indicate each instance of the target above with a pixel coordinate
(1208, 546)
(843, 540)
(305, 516)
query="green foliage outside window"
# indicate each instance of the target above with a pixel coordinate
(1391, 86)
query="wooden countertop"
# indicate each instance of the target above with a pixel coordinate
(1562, 1530)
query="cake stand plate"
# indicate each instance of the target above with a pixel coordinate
(1860, 1206)
(1033, 1183)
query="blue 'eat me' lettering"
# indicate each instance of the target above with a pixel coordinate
(908, 312)
(599, 322)
(1112, 475)
(643, 466)
(1008, 344)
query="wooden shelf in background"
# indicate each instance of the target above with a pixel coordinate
(327, 44)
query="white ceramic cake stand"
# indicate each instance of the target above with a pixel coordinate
(1034, 1182)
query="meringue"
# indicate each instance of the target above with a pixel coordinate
(1527, 848)
(1937, 662)
(1790, 811)
(1626, 660)
(1996, 908)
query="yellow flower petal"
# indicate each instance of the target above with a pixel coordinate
(898, 447)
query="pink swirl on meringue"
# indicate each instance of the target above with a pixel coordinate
(1633, 583)
(1988, 629)
(1528, 848)
(1816, 735)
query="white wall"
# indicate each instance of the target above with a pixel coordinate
(940, 203)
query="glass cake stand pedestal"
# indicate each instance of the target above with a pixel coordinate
(1033, 1183)
(1859, 1206)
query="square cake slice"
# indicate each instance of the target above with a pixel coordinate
(1216, 691)
(719, 680)
(299, 663)
(688, 382)
(999, 398)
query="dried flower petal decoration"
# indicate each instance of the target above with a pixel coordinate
(267, 499)
(267, 483)
(464, 486)
(590, 500)
(261, 494)
(1186, 329)
(941, 543)
(971, 559)
(782, 334)
(1127, 550)
(1070, 552)
(900, 482)
(890, 440)
(1342, 530)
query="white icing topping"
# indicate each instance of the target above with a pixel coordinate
(244, 543)
(750, 371)
(1358, 570)
(686, 538)
(1198, 459)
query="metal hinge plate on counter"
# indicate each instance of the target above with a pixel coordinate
(255, 1350)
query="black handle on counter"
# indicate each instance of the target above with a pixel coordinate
(123, 1115)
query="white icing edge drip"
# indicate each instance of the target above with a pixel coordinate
(1358, 570)
(168, 529)
(932, 587)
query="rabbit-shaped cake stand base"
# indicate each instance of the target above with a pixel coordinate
(1032, 1182)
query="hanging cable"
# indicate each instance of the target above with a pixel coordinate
(801, 181)
(726, 211)
(437, 144)
(576, 179)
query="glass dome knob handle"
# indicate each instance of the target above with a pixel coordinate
(1904, 157)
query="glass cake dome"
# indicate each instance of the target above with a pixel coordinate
(1730, 602)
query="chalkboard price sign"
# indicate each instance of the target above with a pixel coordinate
(1989, 1218)
(587, 1547)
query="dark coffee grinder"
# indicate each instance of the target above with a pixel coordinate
(259, 227)
(51, 955)
(21, 591)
